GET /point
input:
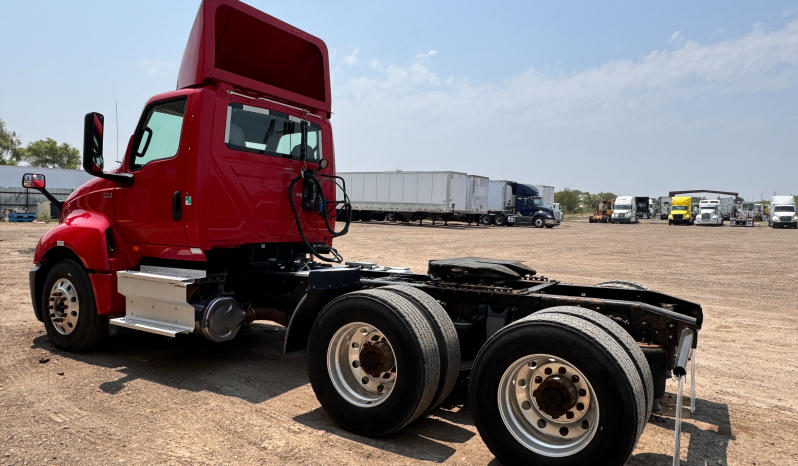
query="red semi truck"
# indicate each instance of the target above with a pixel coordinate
(223, 212)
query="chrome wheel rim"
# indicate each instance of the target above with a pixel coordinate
(64, 306)
(361, 364)
(529, 404)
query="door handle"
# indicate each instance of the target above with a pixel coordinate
(177, 207)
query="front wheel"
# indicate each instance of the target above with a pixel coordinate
(539, 222)
(70, 313)
(556, 390)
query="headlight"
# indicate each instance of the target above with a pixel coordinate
(775, 218)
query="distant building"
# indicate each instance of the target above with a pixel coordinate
(13, 197)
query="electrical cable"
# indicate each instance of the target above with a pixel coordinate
(323, 212)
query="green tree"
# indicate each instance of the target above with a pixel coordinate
(568, 199)
(47, 153)
(9, 146)
(591, 201)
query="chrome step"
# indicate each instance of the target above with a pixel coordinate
(150, 326)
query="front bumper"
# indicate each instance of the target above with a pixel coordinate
(32, 283)
(785, 224)
(712, 221)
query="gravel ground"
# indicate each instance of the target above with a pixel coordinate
(144, 399)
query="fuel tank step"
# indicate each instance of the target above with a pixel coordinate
(150, 326)
(156, 299)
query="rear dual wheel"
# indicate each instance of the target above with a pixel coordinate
(379, 359)
(556, 389)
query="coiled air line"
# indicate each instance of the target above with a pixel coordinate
(318, 201)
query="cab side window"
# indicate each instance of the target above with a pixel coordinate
(158, 136)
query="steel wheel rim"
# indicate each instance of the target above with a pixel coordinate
(64, 306)
(344, 356)
(522, 416)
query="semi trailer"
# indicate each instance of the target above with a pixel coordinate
(414, 196)
(223, 211)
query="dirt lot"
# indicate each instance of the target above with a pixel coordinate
(145, 399)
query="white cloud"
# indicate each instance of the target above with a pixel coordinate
(157, 67)
(351, 59)
(440, 124)
(675, 36)
(376, 65)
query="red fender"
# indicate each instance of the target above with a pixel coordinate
(83, 232)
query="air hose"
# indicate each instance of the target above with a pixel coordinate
(323, 210)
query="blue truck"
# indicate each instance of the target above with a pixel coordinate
(512, 203)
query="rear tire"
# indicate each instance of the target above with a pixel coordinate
(500, 221)
(445, 335)
(337, 362)
(508, 418)
(623, 338)
(77, 326)
(391, 216)
(486, 220)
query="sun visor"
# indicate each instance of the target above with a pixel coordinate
(235, 43)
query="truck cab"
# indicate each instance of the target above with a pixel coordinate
(681, 211)
(709, 213)
(625, 210)
(782, 212)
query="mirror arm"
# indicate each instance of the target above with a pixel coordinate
(58, 204)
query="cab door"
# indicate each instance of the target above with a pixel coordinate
(150, 211)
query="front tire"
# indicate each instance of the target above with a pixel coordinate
(539, 222)
(575, 361)
(373, 362)
(70, 313)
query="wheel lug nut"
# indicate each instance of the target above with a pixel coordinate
(365, 380)
(561, 370)
(569, 415)
(582, 392)
(580, 407)
(547, 371)
(575, 379)
(538, 379)
(563, 431)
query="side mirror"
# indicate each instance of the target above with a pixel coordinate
(33, 180)
(324, 163)
(93, 161)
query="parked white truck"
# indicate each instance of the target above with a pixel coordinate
(782, 212)
(625, 210)
(709, 213)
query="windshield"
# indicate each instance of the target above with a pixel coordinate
(268, 132)
(532, 201)
(784, 208)
(679, 207)
(623, 207)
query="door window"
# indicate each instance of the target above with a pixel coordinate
(262, 131)
(158, 137)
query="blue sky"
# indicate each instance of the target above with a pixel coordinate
(631, 97)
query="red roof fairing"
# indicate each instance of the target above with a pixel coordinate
(235, 43)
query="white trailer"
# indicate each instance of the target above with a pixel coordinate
(546, 194)
(407, 196)
(477, 194)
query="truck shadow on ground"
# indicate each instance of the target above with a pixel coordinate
(425, 439)
(704, 446)
(250, 367)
